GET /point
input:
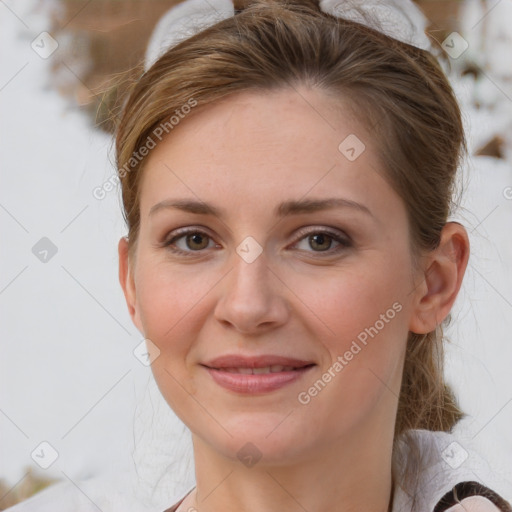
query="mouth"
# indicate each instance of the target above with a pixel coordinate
(256, 375)
(261, 370)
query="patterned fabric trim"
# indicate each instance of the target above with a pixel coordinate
(465, 490)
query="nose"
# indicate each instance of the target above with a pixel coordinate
(253, 297)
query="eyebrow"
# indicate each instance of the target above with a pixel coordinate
(285, 209)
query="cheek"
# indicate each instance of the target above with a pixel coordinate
(351, 299)
(172, 307)
(168, 297)
(364, 310)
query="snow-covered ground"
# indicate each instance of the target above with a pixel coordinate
(68, 374)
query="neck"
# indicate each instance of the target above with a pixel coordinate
(353, 474)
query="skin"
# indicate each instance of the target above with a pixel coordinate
(474, 504)
(298, 298)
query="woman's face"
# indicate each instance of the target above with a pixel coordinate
(306, 257)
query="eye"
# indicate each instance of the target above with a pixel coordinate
(188, 241)
(322, 241)
(192, 240)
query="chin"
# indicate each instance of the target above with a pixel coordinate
(260, 439)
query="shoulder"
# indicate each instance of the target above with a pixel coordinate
(472, 497)
(474, 504)
(436, 471)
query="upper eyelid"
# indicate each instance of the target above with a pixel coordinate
(301, 233)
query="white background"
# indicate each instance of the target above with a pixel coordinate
(67, 372)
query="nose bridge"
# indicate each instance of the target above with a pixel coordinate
(250, 275)
(251, 294)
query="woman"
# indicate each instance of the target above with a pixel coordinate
(287, 176)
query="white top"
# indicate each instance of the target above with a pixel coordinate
(444, 461)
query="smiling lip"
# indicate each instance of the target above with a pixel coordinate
(256, 374)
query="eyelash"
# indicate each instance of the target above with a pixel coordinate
(344, 241)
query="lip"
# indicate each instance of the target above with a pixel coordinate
(255, 383)
(238, 361)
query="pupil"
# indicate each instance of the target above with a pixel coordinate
(321, 239)
(196, 238)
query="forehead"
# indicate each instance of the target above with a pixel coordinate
(266, 145)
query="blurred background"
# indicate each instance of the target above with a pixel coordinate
(75, 398)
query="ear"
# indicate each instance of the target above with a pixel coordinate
(127, 281)
(442, 276)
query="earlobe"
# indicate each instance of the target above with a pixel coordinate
(127, 281)
(442, 279)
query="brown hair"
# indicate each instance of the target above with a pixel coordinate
(401, 93)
